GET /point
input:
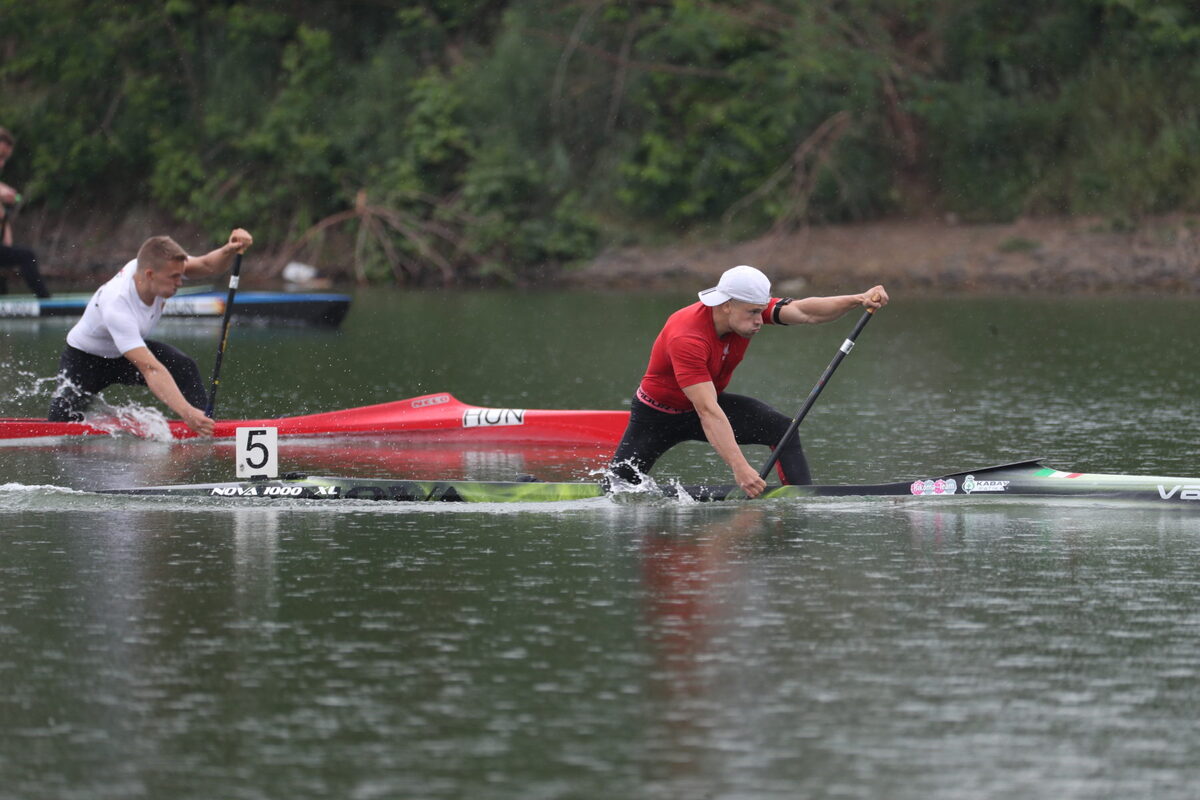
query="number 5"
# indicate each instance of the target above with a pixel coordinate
(257, 452)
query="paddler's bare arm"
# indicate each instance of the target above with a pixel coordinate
(219, 260)
(826, 309)
(720, 436)
(165, 389)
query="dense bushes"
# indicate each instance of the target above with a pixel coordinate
(479, 139)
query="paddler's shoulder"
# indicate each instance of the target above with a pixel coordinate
(691, 315)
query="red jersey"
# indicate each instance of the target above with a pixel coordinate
(688, 351)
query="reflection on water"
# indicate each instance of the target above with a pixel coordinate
(695, 594)
(839, 648)
(256, 541)
(103, 462)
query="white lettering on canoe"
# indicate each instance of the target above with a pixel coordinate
(492, 417)
(283, 491)
(1186, 492)
(253, 491)
(435, 400)
(235, 491)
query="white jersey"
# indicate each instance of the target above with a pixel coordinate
(116, 320)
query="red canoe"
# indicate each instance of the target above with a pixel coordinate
(431, 417)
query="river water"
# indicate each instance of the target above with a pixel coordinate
(603, 649)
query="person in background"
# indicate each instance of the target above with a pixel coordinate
(24, 259)
(108, 344)
(682, 395)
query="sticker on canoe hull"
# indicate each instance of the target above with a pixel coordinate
(934, 487)
(492, 417)
(970, 485)
(433, 400)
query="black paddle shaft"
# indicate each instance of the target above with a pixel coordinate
(843, 351)
(216, 376)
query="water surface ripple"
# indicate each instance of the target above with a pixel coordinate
(599, 649)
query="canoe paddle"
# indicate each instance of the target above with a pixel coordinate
(216, 376)
(843, 351)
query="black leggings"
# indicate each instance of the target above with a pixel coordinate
(81, 375)
(25, 260)
(651, 433)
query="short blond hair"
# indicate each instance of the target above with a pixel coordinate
(159, 251)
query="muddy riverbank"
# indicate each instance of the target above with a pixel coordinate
(1042, 256)
(1078, 255)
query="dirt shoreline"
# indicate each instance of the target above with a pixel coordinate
(1047, 256)
(1160, 255)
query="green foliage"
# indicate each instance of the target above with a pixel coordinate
(501, 139)
(522, 224)
(1068, 107)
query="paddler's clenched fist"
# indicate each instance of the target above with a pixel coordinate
(239, 240)
(875, 297)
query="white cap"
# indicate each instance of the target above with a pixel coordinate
(740, 283)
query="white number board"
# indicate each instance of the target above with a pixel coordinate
(257, 452)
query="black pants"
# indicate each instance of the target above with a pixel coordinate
(651, 433)
(81, 375)
(25, 260)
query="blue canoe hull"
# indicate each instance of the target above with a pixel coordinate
(267, 307)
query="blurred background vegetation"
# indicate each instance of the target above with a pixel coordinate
(439, 141)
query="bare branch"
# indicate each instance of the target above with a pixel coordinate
(560, 72)
(618, 91)
(292, 250)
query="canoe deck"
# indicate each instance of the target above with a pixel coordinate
(432, 417)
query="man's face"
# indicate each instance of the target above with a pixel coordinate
(745, 318)
(5, 153)
(166, 280)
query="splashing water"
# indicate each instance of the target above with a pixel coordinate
(27, 385)
(646, 489)
(681, 495)
(132, 418)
